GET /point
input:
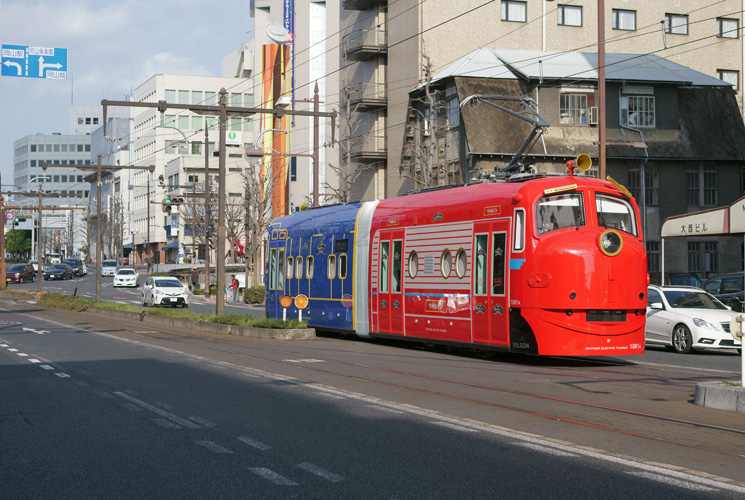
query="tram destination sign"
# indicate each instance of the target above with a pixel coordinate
(34, 62)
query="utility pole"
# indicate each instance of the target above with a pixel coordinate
(221, 233)
(207, 214)
(109, 169)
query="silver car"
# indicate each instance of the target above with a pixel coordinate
(108, 268)
(164, 291)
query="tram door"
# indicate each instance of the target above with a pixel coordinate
(490, 287)
(390, 282)
(276, 286)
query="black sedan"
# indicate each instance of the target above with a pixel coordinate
(20, 273)
(58, 272)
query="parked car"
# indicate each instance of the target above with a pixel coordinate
(687, 318)
(34, 263)
(78, 266)
(728, 288)
(164, 291)
(58, 272)
(125, 276)
(20, 273)
(108, 268)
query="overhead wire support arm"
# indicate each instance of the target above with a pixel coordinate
(530, 115)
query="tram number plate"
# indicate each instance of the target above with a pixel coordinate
(606, 316)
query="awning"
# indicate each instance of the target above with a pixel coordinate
(128, 246)
(171, 245)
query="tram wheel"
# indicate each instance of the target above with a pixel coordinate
(682, 340)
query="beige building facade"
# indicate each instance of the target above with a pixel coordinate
(384, 44)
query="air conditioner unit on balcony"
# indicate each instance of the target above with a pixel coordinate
(592, 115)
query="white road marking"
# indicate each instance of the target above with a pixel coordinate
(4, 345)
(214, 447)
(167, 424)
(47, 367)
(62, 375)
(33, 360)
(203, 422)
(272, 476)
(454, 426)
(252, 442)
(546, 449)
(314, 469)
(660, 478)
(304, 360)
(13, 350)
(23, 355)
(170, 416)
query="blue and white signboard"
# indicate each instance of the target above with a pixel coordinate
(34, 62)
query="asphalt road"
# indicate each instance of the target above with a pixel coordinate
(85, 286)
(92, 409)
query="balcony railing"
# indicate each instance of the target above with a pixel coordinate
(361, 44)
(360, 4)
(370, 147)
(368, 96)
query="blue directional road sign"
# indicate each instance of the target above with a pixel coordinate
(34, 62)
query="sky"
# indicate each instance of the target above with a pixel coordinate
(112, 48)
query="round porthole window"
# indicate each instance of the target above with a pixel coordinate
(461, 263)
(413, 264)
(446, 264)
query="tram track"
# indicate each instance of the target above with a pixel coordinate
(454, 389)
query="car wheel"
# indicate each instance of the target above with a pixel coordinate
(144, 304)
(682, 339)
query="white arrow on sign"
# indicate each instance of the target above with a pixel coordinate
(11, 63)
(43, 66)
(40, 332)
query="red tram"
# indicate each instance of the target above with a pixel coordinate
(542, 265)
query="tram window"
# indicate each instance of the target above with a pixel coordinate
(413, 264)
(481, 255)
(273, 269)
(309, 267)
(498, 263)
(461, 263)
(343, 266)
(396, 275)
(446, 263)
(290, 267)
(331, 270)
(385, 247)
(299, 267)
(519, 241)
(615, 213)
(281, 270)
(559, 211)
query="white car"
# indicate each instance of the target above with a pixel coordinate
(164, 291)
(686, 318)
(125, 276)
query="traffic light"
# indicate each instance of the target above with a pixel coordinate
(177, 201)
(161, 181)
(165, 205)
(18, 219)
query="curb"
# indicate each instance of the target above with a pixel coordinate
(203, 326)
(721, 397)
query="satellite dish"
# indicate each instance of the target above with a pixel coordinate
(276, 33)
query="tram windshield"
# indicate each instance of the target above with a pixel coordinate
(559, 211)
(615, 213)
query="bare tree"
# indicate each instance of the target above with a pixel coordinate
(350, 136)
(257, 210)
(427, 122)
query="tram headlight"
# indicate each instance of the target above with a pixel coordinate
(610, 242)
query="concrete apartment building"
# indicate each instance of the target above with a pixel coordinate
(384, 43)
(160, 139)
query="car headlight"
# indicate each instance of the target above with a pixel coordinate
(705, 324)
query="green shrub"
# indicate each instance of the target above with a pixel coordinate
(254, 295)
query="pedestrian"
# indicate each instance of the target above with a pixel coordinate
(233, 288)
(149, 263)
